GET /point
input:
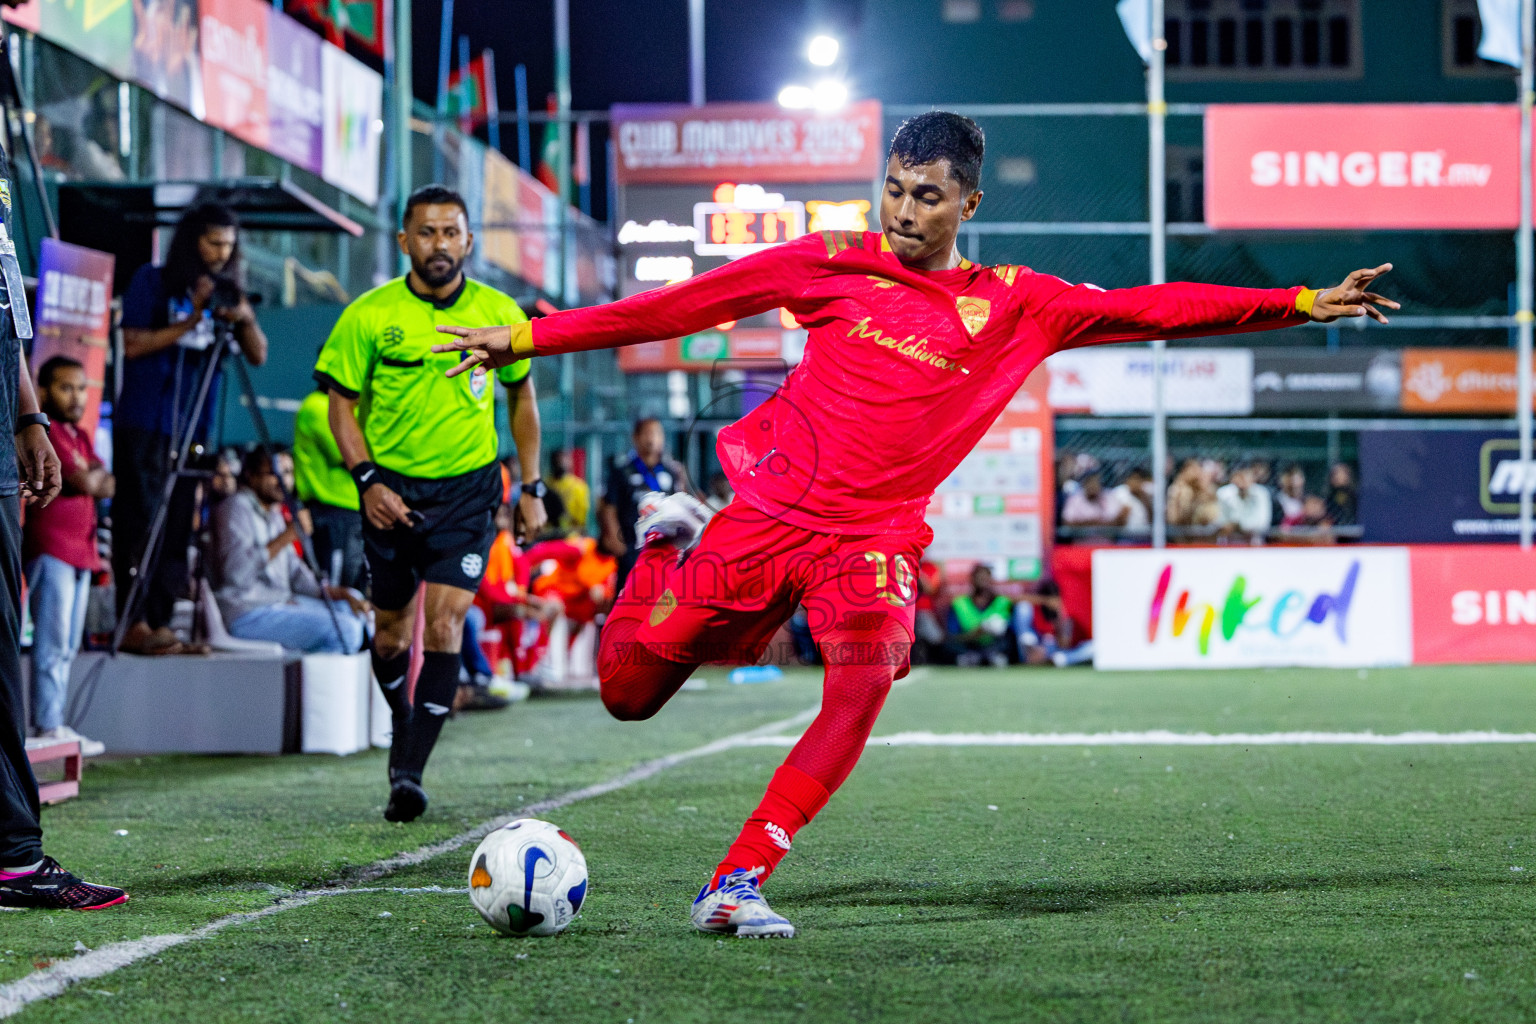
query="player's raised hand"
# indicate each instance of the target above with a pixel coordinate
(489, 347)
(1353, 298)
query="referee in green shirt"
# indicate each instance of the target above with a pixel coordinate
(328, 491)
(421, 448)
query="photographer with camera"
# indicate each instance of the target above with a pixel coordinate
(173, 317)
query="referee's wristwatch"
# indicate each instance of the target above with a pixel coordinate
(536, 489)
(33, 419)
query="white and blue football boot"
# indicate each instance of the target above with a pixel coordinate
(678, 519)
(734, 905)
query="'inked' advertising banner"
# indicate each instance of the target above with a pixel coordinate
(1242, 607)
(1473, 603)
(1399, 166)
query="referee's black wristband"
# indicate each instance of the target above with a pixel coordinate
(365, 475)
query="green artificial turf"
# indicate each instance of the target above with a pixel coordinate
(1341, 883)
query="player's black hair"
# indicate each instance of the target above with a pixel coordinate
(640, 424)
(432, 195)
(183, 264)
(47, 370)
(940, 135)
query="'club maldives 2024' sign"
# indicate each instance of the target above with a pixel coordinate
(1235, 607)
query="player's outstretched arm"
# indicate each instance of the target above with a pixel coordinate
(1075, 315)
(745, 287)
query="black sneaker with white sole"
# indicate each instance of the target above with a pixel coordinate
(50, 887)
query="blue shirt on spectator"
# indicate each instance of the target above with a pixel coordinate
(159, 389)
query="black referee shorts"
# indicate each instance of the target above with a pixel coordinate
(449, 547)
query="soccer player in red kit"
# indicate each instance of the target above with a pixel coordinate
(912, 354)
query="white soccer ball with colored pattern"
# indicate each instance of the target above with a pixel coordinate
(528, 878)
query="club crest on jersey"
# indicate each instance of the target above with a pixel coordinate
(472, 564)
(665, 606)
(479, 380)
(973, 312)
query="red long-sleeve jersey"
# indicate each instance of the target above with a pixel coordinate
(903, 370)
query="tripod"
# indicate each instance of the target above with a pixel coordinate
(224, 347)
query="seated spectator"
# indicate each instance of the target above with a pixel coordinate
(59, 551)
(1245, 507)
(504, 600)
(1092, 505)
(264, 591)
(1341, 495)
(927, 627)
(979, 623)
(1066, 480)
(1290, 496)
(1192, 497)
(1135, 497)
(1045, 633)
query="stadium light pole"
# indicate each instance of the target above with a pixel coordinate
(1157, 215)
(696, 53)
(1523, 315)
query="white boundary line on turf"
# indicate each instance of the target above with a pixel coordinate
(1166, 738)
(58, 977)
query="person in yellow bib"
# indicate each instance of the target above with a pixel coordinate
(421, 449)
(327, 490)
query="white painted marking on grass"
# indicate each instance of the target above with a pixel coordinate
(1166, 738)
(56, 978)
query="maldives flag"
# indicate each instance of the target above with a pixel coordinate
(469, 93)
(549, 153)
(363, 20)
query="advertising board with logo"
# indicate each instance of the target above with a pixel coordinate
(234, 47)
(1399, 167)
(1309, 380)
(701, 186)
(996, 507)
(1456, 380)
(353, 98)
(664, 144)
(74, 314)
(1338, 607)
(295, 94)
(1439, 486)
(1473, 603)
(1117, 381)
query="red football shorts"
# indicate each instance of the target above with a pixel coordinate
(748, 573)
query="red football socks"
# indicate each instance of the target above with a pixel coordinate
(792, 800)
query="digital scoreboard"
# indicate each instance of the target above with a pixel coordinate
(743, 219)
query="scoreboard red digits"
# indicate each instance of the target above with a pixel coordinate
(750, 219)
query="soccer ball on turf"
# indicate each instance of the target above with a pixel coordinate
(528, 878)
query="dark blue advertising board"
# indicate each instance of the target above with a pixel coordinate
(1439, 486)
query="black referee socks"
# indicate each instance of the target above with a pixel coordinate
(435, 690)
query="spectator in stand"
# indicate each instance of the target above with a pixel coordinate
(927, 628)
(1135, 496)
(572, 489)
(328, 491)
(1066, 480)
(979, 623)
(1044, 630)
(1341, 495)
(1192, 498)
(264, 591)
(168, 338)
(226, 476)
(1291, 495)
(59, 551)
(504, 601)
(644, 469)
(1245, 507)
(1092, 505)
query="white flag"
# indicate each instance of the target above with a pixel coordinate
(1136, 16)
(1501, 31)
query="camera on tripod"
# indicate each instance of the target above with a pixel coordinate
(226, 293)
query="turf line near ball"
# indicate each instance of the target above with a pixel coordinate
(57, 978)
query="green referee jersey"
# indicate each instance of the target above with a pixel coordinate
(417, 421)
(318, 470)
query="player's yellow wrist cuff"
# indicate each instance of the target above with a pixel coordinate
(1305, 298)
(522, 340)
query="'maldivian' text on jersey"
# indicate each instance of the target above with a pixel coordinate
(904, 370)
(417, 421)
